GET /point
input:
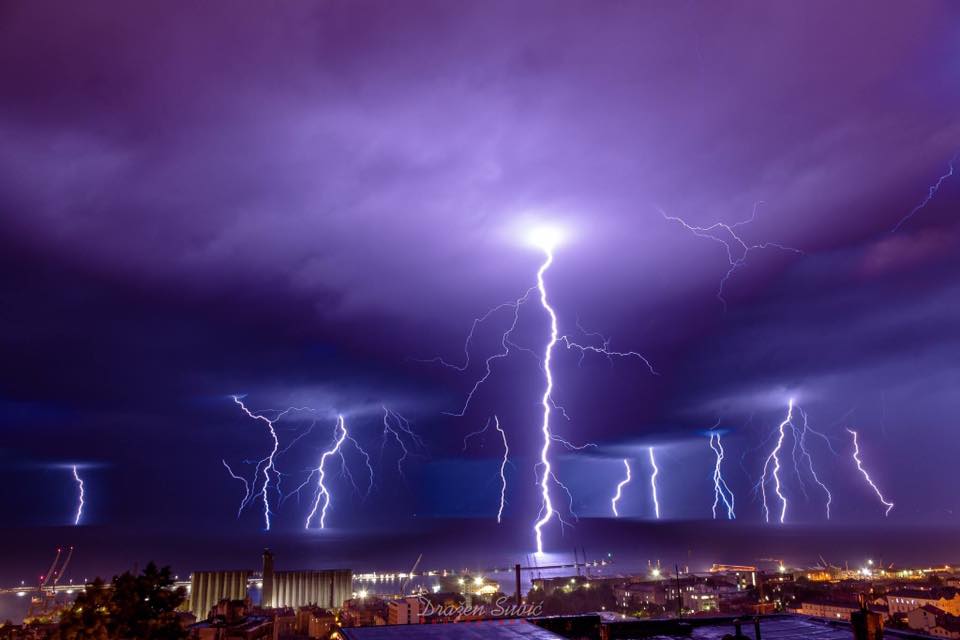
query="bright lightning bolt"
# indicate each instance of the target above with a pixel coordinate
(931, 192)
(267, 463)
(80, 497)
(322, 492)
(735, 246)
(623, 483)
(503, 468)
(856, 458)
(721, 492)
(546, 402)
(774, 457)
(655, 471)
(546, 240)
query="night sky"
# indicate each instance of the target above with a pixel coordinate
(304, 203)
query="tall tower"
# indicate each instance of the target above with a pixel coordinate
(266, 592)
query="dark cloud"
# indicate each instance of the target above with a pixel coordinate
(298, 202)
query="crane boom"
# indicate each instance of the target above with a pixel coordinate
(45, 578)
(63, 567)
(403, 587)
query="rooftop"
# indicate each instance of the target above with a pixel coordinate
(492, 629)
(772, 628)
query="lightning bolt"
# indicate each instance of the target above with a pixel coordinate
(856, 458)
(397, 426)
(806, 453)
(80, 497)
(547, 473)
(367, 463)
(246, 486)
(267, 463)
(623, 483)
(655, 471)
(505, 345)
(931, 192)
(503, 462)
(323, 494)
(736, 247)
(721, 492)
(774, 457)
(605, 350)
(503, 468)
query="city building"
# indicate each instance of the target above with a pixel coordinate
(232, 620)
(315, 622)
(924, 618)
(640, 595)
(405, 611)
(906, 600)
(364, 612)
(831, 609)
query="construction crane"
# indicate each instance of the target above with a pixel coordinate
(45, 578)
(63, 568)
(403, 587)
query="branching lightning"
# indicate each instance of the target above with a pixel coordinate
(605, 350)
(547, 471)
(655, 471)
(721, 492)
(80, 496)
(266, 476)
(806, 453)
(505, 345)
(367, 463)
(246, 487)
(619, 494)
(545, 240)
(801, 451)
(323, 493)
(931, 192)
(859, 462)
(267, 463)
(396, 426)
(774, 458)
(735, 246)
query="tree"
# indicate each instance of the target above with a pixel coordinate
(143, 607)
(89, 617)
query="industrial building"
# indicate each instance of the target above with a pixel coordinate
(328, 588)
(207, 588)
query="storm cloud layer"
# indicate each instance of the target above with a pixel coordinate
(300, 202)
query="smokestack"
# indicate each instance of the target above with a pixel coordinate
(867, 625)
(266, 592)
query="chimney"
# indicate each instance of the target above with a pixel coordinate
(266, 592)
(867, 625)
